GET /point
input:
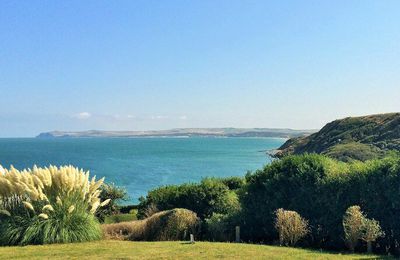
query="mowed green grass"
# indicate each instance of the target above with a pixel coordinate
(111, 249)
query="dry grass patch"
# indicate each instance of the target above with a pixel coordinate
(174, 224)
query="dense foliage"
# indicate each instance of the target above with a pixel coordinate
(221, 227)
(321, 189)
(116, 195)
(50, 205)
(317, 187)
(205, 198)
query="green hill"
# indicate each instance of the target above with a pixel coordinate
(359, 138)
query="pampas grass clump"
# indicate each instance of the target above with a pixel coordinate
(48, 205)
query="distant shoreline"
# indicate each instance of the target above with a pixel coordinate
(182, 133)
(149, 137)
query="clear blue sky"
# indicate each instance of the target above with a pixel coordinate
(135, 65)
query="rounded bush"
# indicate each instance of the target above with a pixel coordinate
(175, 224)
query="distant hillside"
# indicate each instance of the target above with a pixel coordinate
(186, 132)
(360, 138)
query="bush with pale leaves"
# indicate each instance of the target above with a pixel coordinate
(353, 221)
(290, 226)
(48, 205)
(357, 226)
(371, 232)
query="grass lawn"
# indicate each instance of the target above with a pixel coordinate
(111, 249)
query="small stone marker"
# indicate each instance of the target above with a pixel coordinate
(191, 239)
(237, 234)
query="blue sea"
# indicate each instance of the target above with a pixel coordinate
(141, 164)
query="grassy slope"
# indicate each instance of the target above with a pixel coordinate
(111, 249)
(360, 138)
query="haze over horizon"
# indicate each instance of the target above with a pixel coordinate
(151, 65)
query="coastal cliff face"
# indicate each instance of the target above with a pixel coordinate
(359, 138)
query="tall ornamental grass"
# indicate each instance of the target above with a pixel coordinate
(48, 205)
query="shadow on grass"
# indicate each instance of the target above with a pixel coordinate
(338, 253)
(363, 256)
(187, 243)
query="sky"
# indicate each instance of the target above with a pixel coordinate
(149, 65)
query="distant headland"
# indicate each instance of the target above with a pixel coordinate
(184, 132)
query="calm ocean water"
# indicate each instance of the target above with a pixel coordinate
(141, 164)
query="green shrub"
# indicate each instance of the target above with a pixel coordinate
(127, 208)
(292, 182)
(50, 205)
(117, 218)
(233, 183)
(219, 228)
(133, 212)
(208, 197)
(116, 195)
